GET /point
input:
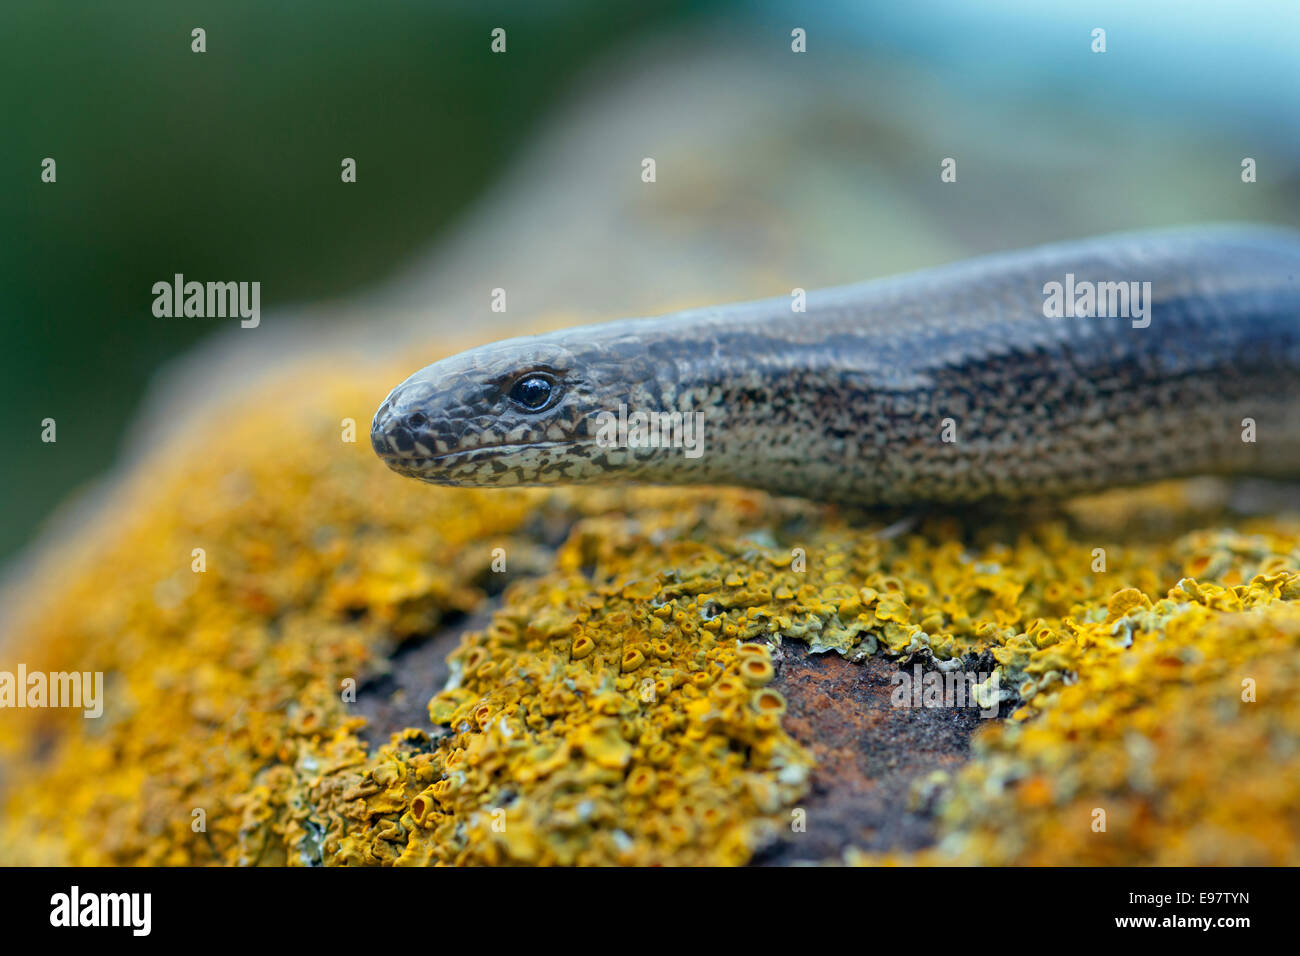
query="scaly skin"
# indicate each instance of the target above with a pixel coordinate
(850, 400)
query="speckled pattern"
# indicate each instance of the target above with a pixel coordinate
(848, 401)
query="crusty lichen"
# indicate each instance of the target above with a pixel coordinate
(1169, 734)
(619, 707)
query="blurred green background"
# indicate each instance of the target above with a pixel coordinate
(775, 170)
(226, 165)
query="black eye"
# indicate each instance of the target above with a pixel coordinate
(532, 391)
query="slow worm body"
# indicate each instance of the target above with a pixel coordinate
(963, 383)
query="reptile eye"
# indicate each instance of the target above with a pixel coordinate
(533, 392)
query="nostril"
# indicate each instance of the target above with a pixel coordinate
(416, 419)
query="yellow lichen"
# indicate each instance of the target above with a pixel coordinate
(617, 709)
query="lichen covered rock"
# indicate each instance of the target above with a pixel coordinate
(622, 702)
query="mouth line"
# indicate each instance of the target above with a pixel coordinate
(482, 449)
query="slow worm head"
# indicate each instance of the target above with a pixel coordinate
(1049, 371)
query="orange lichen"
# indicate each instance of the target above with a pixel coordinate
(1169, 735)
(618, 708)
